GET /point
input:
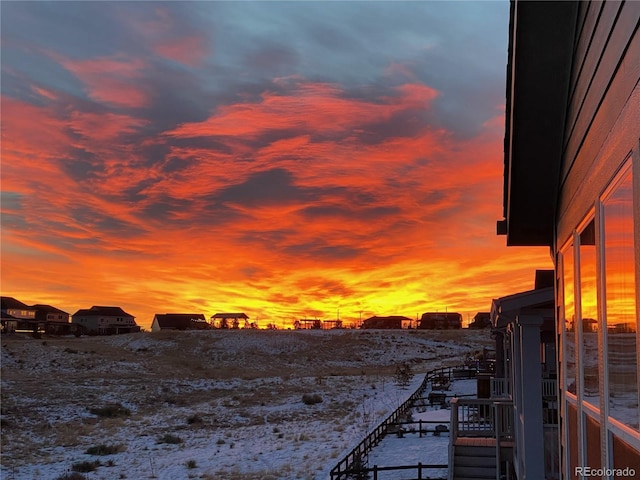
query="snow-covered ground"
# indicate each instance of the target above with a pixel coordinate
(230, 400)
(410, 448)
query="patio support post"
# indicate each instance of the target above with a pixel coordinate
(530, 437)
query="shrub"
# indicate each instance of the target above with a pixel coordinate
(169, 438)
(104, 449)
(311, 398)
(193, 419)
(113, 410)
(85, 467)
(404, 374)
(191, 464)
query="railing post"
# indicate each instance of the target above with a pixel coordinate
(454, 419)
(420, 429)
(497, 420)
(419, 471)
(375, 472)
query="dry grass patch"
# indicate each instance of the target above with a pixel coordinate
(209, 378)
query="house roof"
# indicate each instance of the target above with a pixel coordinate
(505, 309)
(12, 303)
(102, 311)
(230, 315)
(48, 309)
(177, 320)
(389, 317)
(538, 75)
(442, 314)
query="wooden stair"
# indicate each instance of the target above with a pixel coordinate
(474, 459)
(474, 463)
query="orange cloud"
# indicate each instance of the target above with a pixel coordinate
(307, 222)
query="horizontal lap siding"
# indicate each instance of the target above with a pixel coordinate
(606, 70)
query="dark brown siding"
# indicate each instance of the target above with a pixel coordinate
(594, 457)
(605, 73)
(624, 456)
(572, 424)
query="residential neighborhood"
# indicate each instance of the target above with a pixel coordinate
(113, 320)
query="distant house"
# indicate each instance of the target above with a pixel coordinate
(179, 321)
(440, 321)
(307, 324)
(17, 309)
(102, 320)
(55, 321)
(481, 320)
(317, 324)
(388, 322)
(228, 320)
(17, 316)
(47, 313)
(13, 311)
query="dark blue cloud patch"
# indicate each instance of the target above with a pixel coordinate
(56, 24)
(102, 223)
(322, 251)
(176, 96)
(273, 60)
(351, 212)
(13, 211)
(269, 187)
(82, 166)
(406, 124)
(168, 211)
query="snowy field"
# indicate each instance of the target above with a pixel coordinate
(411, 448)
(209, 405)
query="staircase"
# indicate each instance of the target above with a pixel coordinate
(474, 461)
(481, 445)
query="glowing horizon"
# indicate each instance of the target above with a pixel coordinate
(268, 159)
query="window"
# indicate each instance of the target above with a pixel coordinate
(620, 306)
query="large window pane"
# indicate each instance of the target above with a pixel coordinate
(569, 344)
(589, 314)
(620, 290)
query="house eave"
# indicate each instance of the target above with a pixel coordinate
(538, 76)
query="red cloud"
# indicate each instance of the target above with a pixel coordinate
(103, 127)
(114, 80)
(316, 107)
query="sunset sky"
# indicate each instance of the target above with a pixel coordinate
(282, 159)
